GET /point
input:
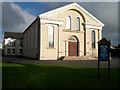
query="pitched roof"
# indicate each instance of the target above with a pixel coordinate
(69, 7)
(15, 35)
(104, 41)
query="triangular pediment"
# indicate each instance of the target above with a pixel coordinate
(104, 41)
(73, 6)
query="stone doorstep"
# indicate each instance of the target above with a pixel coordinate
(80, 58)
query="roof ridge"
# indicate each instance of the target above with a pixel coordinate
(53, 10)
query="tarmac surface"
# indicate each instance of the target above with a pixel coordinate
(114, 62)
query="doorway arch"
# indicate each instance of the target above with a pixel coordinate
(73, 46)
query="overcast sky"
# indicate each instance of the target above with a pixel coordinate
(17, 16)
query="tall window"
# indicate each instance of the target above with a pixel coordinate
(21, 43)
(78, 23)
(13, 51)
(68, 22)
(20, 51)
(13, 44)
(9, 51)
(93, 39)
(51, 36)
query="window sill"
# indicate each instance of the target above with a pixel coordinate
(50, 48)
(93, 49)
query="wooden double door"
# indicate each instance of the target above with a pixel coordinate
(73, 49)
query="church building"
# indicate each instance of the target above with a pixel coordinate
(68, 31)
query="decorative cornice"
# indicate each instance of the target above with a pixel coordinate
(51, 20)
(74, 31)
(92, 26)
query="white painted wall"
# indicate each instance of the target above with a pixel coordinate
(17, 46)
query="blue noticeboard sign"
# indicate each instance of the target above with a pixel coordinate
(104, 53)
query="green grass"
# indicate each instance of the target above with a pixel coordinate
(56, 76)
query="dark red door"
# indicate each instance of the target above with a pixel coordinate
(72, 48)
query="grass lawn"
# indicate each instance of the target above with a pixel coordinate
(56, 76)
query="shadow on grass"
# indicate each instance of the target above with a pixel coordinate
(56, 76)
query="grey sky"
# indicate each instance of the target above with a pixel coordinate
(17, 19)
(107, 12)
(61, 1)
(14, 18)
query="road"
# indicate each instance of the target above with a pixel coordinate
(21, 60)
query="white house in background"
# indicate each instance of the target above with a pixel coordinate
(13, 43)
(63, 32)
(1, 41)
(0, 45)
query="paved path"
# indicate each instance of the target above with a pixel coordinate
(21, 60)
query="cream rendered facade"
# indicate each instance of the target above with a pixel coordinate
(36, 38)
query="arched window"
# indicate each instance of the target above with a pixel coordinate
(78, 23)
(93, 39)
(51, 36)
(68, 22)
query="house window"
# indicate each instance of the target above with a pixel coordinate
(93, 39)
(13, 44)
(13, 51)
(78, 23)
(9, 43)
(51, 36)
(21, 43)
(9, 51)
(68, 22)
(20, 51)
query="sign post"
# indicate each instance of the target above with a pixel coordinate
(103, 54)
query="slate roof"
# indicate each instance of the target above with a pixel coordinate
(15, 35)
